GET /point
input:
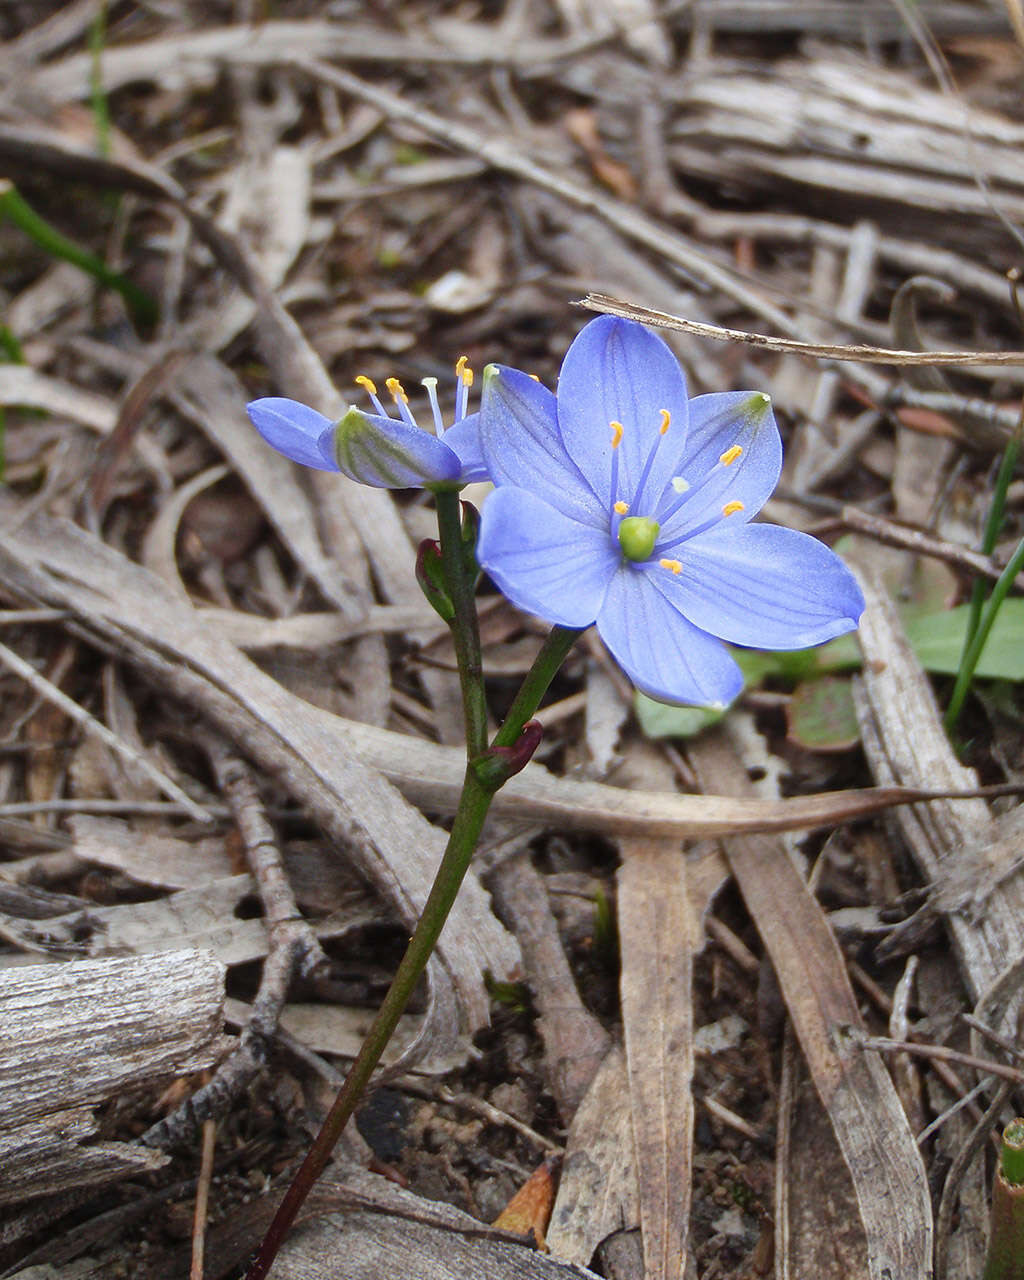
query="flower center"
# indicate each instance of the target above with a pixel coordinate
(637, 536)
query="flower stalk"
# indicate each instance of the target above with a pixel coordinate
(461, 584)
(469, 820)
(517, 738)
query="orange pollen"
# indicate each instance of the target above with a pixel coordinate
(367, 384)
(396, 389)
(621, 507)
(460, 364)
(730, 455)
(673, 565)
(616, 434)
(731, 508)
(666, 418)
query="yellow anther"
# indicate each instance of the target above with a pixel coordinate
(460, 364)
(621, 507)
(396, 389)
(666, 418)
(731, 508)
(367, 384)
(533, 377)
(616, 434)
(730, 455)
(467, 377)
(673, 565)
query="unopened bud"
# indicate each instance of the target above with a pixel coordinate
(430, 576)
(495, 766)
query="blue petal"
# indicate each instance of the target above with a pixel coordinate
(295, 430)
(544, 561)
(464, 440)
(522, 446)
(389, 454)
(616, 371)
(717, 422)
(762, 586)
(664, 655)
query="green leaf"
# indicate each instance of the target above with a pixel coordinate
(938, 641)
(660, 720)
(821, 715)
(840, 654)
(513, 995)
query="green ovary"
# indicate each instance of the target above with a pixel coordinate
(637, 536)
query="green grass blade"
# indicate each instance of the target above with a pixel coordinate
(977, 641)
(993, 524)
(97, 94)
(13, 206)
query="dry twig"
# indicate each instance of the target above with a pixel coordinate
(292, 948)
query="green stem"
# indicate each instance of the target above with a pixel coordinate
(977, 645)
(1005, 1257)
(464, 627)
(469, 820)
(1007, 466)
(97, 94)
(466, 827)
(10, 349)
(1013, 1152)
(993, 523)
(553, 653)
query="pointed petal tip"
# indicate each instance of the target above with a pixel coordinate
(662, 652)
(295, 430)
(758, 404)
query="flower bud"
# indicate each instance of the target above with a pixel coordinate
(430, 576)
(495, 766)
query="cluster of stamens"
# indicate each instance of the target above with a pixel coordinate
(637, 535)
(464, 380)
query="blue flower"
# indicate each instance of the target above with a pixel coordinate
(375, 448)
(623, 502)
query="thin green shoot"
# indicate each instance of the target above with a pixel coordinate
(976, 644)
(13, 206)
(1012, 1154)
(10, 347)
(1005, 1256)
(97, 94)
(993, 525)
(11, 353)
